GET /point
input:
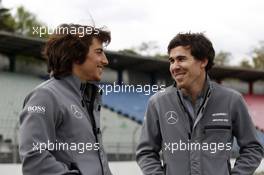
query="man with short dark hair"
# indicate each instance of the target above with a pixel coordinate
(59, 125)
(195, 120)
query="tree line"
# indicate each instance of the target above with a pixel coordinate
(23, 21)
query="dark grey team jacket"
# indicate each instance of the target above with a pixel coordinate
(59, 112)
(222, 116)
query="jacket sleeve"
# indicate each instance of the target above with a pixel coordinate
(37, 127)
(147, 154)
(251, 151)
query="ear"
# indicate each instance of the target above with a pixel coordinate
(76, 61)
(204, 63)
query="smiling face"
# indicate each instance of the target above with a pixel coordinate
(92, 68)
(187, 71)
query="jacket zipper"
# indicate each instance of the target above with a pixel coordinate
(90, 108)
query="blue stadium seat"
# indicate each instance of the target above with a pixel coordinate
(130, 104)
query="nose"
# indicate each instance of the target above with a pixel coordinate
(175, 66)
(105, 60)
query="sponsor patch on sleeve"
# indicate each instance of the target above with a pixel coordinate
(36, 109)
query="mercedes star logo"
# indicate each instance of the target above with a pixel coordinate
(171, 117)
(76, 111)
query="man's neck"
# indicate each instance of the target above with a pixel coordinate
(195, 89)
(77, 74)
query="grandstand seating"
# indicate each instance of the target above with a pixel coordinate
(129, 104)
(13, 89)
(120, 135)
(256, 106)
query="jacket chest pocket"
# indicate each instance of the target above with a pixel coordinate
(218, 138)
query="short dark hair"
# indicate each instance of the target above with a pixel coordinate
(68, 45)
(200, 46)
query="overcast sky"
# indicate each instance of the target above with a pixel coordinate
(234, 26)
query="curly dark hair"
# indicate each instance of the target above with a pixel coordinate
(68, 44)
(200, 46)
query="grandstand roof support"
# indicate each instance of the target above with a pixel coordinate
(119, 76)
(153, 79)
(12, 63)
(250, 87)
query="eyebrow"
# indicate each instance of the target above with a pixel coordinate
(177, 57)
(99, 49)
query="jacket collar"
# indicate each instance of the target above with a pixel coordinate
(80, 87)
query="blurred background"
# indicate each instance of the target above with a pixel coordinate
(137, 55)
